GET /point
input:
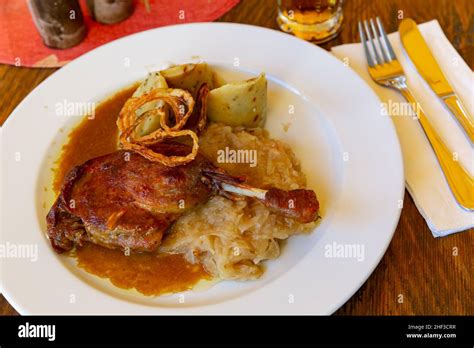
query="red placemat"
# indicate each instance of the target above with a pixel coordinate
(21, 44)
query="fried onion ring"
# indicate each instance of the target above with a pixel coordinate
(202, 106)
(181, 103)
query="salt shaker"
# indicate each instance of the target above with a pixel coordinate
(110, 11)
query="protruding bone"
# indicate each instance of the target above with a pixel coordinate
(244, 190)
(297, 204)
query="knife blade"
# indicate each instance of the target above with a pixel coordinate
(426, 64)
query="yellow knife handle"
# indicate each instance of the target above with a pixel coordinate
(459, 180)
(456, 107)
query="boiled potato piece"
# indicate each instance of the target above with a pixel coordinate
(151, 121)
(154, 80)
(239, 104)
(190, 77)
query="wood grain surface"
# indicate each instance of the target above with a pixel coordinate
(418, 274)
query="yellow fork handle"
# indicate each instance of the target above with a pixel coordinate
(456, 107)
(459, 180)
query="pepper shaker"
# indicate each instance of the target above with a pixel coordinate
(59, 22)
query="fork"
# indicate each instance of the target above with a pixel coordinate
(385, 69)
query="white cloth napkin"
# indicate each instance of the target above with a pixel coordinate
(424, 179)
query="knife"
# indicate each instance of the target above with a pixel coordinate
(429, 69)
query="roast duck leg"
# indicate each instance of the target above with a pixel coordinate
(124, 201)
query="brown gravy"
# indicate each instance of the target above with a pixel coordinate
(150, 274)
(93, 137)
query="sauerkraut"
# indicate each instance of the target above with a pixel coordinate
(232, 238)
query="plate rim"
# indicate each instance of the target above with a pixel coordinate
(85, 56)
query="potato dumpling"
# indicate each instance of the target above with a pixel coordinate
(239, 104)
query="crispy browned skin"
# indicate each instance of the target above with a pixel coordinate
(122, 200)
(301, 205)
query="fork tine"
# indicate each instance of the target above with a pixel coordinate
(366, 48)
(385, 39)
(369, 35)
(363, 39)
(381, 46)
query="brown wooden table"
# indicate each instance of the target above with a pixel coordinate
(431, 278)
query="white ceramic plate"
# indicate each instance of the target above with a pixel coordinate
(349, 152)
